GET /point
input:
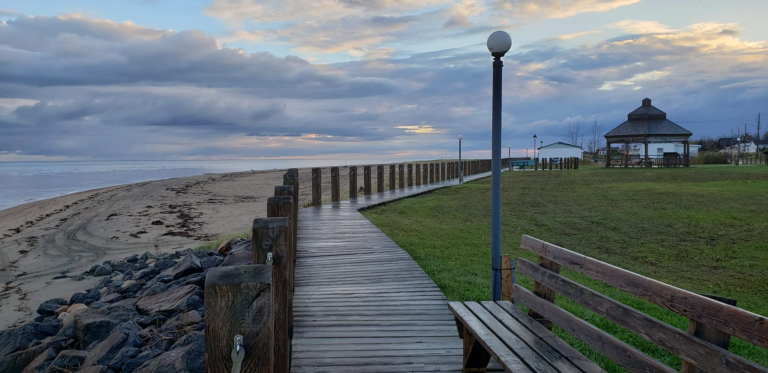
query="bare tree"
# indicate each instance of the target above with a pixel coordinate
(595, 139)
(573, 133)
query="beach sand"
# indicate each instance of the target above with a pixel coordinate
(65, 236)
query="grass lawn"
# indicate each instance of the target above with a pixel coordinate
(704, 229)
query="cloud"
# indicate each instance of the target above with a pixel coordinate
(575, 35)
(420, 129)
(536, 9)
(640, 27)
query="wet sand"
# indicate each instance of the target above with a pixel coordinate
(45, 245)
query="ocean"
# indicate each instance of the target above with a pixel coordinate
(22, 182)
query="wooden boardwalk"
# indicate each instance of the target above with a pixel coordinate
(361, 303)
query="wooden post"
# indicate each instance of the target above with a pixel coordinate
(626, 155)
(543, 291)
(352, 181)
(238, 301)
(550, 164)
(506, 278)
(273, 237)
(401, 176)
(292, 178)
(442, 171)
(391, 177)
(335, 184)
(277, 211)
(607, 154)
(317, 187)
(410, 174)
(418, 174)
(536, 164)
(367, 180)
(712, 335)
(543, 164)
(561, 163)
(379, 178)
(425, 174)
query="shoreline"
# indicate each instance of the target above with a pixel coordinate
(46, 244)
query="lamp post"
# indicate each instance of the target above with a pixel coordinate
(461, 167)
(534, 146)
(541, 143)
(498, 44)
(509, 157)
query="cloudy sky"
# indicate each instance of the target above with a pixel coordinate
(223, 79)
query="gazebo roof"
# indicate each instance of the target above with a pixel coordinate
(647, 121)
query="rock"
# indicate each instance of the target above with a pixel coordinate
(62, 316)
(168, 302)
(164, 278)
(104, 282)
(241, 245)
(191, 317)
(140, 359)
(188, 265)
(196, 279)
(61, 309)
(132, 259)
(49, 307)
(48, 327)
(118, 276)
(151, 261)
(158, 222)
(31, 357)
(151, 319)
(155, 289)
(70, 359)
(122, 357)
(189, 358)
(43, 360)
(191, 339)
(225, 246)
(140, 266)
(16, 339)
(146, 274)
(164, 264)
(92, 325)
(94, 369)
(97, 305)
(124, 267)
(194, 302)
(102, 270)
(85, 297)
(131, 286)
(211, 261)
(76, 307)
(237, 258)
(111, 298)
(107, 349)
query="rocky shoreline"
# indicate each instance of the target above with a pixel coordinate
(145, 315)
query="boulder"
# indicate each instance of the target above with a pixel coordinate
(140, 359)
(124, 267)
(194, 302)
(188, 358)
(111, 298)
(48, 327)
(196, 279)
(164, 264)
(107, 350)
(122, 357)
(130, 286)
(16, 339)
(85, 297)
(151, 319)
(237, 258)
(191, 317)
(49, 307)
(93, 325)
(61, 309)
(188, 265)
(225, 246)
(168, 302)
(132, 259)
(33, 357)
(155, 289)
(211, 261)
(146, 274)
(102, 270)
(70, 359)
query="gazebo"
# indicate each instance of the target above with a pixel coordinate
(645, 125)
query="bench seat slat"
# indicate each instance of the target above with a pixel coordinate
(550, 338)
(735, 321)
(676, 341)
(555, 358)
(625, 355)
(515, 344)
(506, 358)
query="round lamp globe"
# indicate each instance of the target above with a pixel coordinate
(461, 137)
(499, 43)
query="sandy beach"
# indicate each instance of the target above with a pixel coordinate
(45, 245)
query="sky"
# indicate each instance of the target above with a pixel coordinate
(383, 79)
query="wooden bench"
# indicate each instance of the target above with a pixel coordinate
(524, 343)
(522, 164)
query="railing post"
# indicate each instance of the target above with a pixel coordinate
(379, 178)
(550, 164)
(335, 184)
(410, 174)
(272, 235)
(418, 173)
(283, 260)
(401, 176)
(442, 171)
(391, 177)
(712, 335)
(352, 181)
(238, 301)
(317, 187)
(425, 174)
(367, 180)
(292, 178)
(506, 278)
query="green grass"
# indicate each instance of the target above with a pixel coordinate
(704, 229)
(214, 243)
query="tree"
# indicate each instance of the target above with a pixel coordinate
(595, 139)
(573, 133)
(765, 136)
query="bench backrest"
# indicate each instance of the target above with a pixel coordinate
(694, 351)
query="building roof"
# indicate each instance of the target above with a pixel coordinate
(645, 121)
(560, 143)
(761, 142)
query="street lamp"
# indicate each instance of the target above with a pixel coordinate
(509, 157)
(461, 168)
(498, 44)
(534, 145)
(541, 144)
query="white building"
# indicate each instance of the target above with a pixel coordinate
(657, 149)
(559, 150)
